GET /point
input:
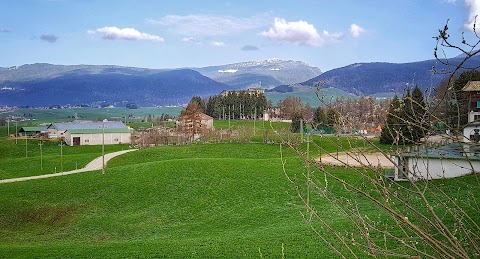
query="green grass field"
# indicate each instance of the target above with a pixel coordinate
(224, 200)
(201, 200)
(18, 161)
(37, 116)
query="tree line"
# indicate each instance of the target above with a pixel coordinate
(235, 105)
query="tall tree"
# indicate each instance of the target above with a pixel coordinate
(200, 103)
(296, 124)
(391, 131)
(319, 118)
(419, 119)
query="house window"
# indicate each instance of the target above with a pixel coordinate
(86, 141)
(476, 117)
(478, 104)
(115, 139)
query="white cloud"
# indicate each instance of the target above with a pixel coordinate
(208, 25)
(115, 33)
(333, 37)
(218, 44)
(356, 30)
(190, 40)
(450, 1)
(5, 30)
(473, 9)
(300, 32)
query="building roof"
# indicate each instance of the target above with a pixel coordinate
(29, 129)
(472, 86)
(98, 131)
(205, 116)
(87, 125)
(202, 115)
(454, 150)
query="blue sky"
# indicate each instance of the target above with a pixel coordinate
(172, 34)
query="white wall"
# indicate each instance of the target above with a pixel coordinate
(96, 139)
(467, 130)
(436, 168)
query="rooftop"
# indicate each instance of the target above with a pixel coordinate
(94, 131)
(449, 151)
(472, 86)
(88, 125)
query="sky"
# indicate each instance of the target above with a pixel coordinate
(175, 34)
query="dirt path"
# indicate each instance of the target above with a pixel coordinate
(95, 164)
(357, 159)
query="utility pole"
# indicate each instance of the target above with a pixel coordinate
(26, 145)
(61, 155)
(229, 116)
(308, 169)
(254, 121)
(103, 146)
(41, 155)
(16, 131)
(8, 128)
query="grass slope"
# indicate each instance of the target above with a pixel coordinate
(200, 201)
(224, 200)
(18, 161)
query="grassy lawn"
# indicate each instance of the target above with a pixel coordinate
(200, 201)
(18, 161)
(172, 202)
(57, 115)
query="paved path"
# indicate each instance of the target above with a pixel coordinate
(356, 159)
(96, 164)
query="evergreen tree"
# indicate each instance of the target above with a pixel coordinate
(391, 131)
(319, 118)
(200, 103)
(332, 117)
(295, 127)
(418, 107)
(407, 118)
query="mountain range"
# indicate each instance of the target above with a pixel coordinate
(377, 78)
(47, 84)
(266, 74)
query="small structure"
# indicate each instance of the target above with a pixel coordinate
(446, 161)
(32, 131)
(200, 122)
(57, 130)
(471, 131)
(107, 136)
(250, 91)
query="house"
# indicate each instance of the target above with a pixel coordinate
(32, 131)
(197, 125)
(471, 131)
(250, 91)
(444, 161)
(97, 136)
(205, 120)
(57, 130)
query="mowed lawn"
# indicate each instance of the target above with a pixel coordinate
(18, 159)
(225, 200)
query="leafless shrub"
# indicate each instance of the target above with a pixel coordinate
(356, 210)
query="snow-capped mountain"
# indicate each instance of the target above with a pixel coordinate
(267, 73)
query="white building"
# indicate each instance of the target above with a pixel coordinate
(57, 130)
(471, 131)
(80, 137)
(447, 161)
